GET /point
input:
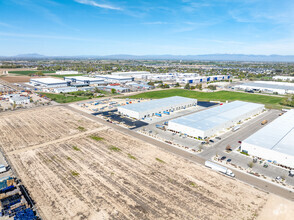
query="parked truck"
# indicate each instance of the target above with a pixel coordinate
(263, 122)
(2, 168)
(219, 168)
(236, 128)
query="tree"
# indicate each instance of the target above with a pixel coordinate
(187, 86)
(150, 83)
(250, 164)
(113, 91)
(199, 86)
(177, 85)
(212, 87)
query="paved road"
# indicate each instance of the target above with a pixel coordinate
(244, 132)
(246, 178)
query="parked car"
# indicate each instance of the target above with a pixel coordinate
(240, 142)
(278, 178)
(203, 142)
(212, 141)
(229, 160)
(223, 157)
(218, 138)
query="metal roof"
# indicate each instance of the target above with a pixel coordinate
(273, 85)
(48, 80)
(84, 78)
(216, 116)
(277, 136)
(155, 104)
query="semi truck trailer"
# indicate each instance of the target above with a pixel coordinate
(219, 168)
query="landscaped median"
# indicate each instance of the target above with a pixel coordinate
(268, 101)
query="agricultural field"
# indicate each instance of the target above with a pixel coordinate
(269, 101)
(15, 79)
(29, 72)
(75, 168)
(22, 129)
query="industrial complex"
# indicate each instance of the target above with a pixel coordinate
(156, 107)
(275, 142)
(214, 120)
(48, 82)
(268, 87)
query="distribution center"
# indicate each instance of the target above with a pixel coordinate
(275, 142)
(156, 107)
(209, 122)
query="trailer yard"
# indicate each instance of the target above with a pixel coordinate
(75, 168)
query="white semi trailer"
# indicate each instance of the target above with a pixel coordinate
(2, 168)
(219, 168)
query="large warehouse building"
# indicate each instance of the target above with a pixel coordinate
(209, 122)
(274, 142)
(48, 82)
(158, 106)
(268, 86)
(83, 80)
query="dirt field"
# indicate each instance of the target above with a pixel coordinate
(99, 173)
(16, 79)
(22, 129)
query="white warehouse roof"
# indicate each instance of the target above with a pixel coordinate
(48, 80)
(84, 78)
(155, 104)
(216, 116)
(277, 136)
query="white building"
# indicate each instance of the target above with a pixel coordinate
(268, 87)
(19, 100)
(66, 72)
(130, 74)
(48, 82)
(65, 89)
(274, 142)
(284, 78)
(84, 80)
(158, 106)
(214, 120)
(115, 78)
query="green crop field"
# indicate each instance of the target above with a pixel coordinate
(29, 72)
(64, 98)
(269, 101)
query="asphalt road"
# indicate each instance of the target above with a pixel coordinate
(244, 132)
(246, 178)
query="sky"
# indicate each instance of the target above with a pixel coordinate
(146, 27)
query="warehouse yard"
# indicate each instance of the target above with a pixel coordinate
(99, 173)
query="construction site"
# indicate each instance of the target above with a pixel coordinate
(76, 168)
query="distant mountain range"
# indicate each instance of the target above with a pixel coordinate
(208, 57)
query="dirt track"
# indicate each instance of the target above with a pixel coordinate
(72, 176)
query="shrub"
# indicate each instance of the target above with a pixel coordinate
(132, 157)
(113, 148)
(96, 138)
(159, 160)
(76, 148)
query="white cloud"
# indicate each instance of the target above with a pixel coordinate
(95, 4)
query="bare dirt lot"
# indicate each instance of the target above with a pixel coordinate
(16, 79)
(22, 129)
(99, 173)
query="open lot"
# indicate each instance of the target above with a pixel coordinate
(269, 101)
(22, 129)
(100, 173)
